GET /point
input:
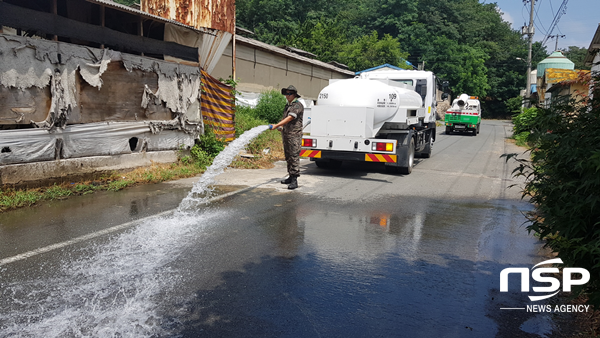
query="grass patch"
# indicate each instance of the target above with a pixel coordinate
(10, 199)
(57, 192)
(113, 181)
(521, 138)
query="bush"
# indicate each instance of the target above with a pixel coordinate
(524, 121)
(521, 138)
(513, 105)
(270, 106)
(563, 182)
(246, 119)
(207, 149)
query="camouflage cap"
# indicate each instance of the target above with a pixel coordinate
(290, 88)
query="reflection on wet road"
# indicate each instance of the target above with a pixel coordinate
(387, 268)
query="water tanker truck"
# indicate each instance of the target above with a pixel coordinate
(464, 115)
(381, 116)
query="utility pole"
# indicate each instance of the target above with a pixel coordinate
(530, 32)
(557, 37)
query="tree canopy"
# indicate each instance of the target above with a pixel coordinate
(463, 41)
(577, 55)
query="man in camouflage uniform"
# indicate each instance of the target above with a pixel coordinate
(291, 127)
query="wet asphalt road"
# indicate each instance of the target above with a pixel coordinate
(351, 253)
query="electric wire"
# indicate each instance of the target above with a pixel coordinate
(561, 10)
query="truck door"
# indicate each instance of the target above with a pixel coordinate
(421, 89)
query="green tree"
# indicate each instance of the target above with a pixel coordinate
(391, 17)
(369, 51)
(577, 55)
(325, 38)
(342, 30)
(462, 65)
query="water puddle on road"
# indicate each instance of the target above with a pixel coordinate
(114, 290)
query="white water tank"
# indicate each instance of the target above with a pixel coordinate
(384, 99)
(462, 100)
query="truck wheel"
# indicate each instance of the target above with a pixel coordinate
(322, 164)
(333, 164)
(448, 130)
(410, 159)
(478, 125)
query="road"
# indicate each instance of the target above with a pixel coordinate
(353, 252)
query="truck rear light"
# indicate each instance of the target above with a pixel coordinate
(309, 142)
(381, 146)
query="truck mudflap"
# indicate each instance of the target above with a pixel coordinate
(347, 156)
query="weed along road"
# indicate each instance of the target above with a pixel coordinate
(353, 252)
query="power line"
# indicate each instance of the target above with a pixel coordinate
(561, 10)
(523, 11)
(539, 21)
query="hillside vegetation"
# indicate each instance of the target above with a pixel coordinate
(463, 41)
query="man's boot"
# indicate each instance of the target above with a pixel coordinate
(294, 183)
(287, 180)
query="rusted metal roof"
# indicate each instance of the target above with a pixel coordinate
(112, 4)
(215, 14)
(277, 50)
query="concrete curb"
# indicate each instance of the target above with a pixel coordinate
(28, 173)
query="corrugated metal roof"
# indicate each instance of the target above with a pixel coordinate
(215, 14)
(299, 51)
(112, 4)
(594, 47)
(240, 30)
(337, 64)
(277, 50)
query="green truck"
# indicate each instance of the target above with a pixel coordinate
(464, 115)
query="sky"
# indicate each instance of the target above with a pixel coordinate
(578, 23)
